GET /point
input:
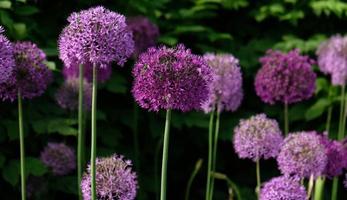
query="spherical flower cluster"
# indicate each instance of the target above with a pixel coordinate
(114, 179)
(257, 137)
(68, 94)
(332, 59)
(283, 188)
(73, 71)
(145, 33)
(302, 155)
(171, 78)
(59, 157)
(6, 57)
(30, 75)
(285, 77)
(226, 88)
(96, 35)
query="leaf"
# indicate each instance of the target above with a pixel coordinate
(26, 10)
(12, 129)
(20, 30)
(35, 167)
(5, 4)
(317, 109)
(51, 65)
(11, 172)
(55, 125)
(321, 85)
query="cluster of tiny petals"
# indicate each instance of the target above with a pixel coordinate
(285, 77)
(336, 157)
(6, 57)
(302, 155)
(226, 88)
(171, 78)
(30, 75)
(257, 137)
(103, 73)
(332, 59)
(145, 33)
(67, 95)
(114, 179)
(59, 157)
(97, 36)
(283, 188)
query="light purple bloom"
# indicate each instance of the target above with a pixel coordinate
(30, 75)
(68, 94)
(257, 137)
(332, 59)
(59, 157)
(283, 188)
(302, 155)
(226, 88)
(6, 57)
(97, 36)
(285, 77)
(171, 78)
(114, 179)
(73, 71)
(145, 33)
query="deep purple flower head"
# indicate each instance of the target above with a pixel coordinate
(285, 77)
(302, 155)
(145, 33)
(68, 94)
(283, 188)
(30, 75)
(226, 88)
(332, 59)
(114, 179)
(6, 57)
(257, 137)
(73, 71)
(171, 78)
(97, 36)
(59, 157)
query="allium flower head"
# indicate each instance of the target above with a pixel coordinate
(59, 157)
(96, 35)
(226, 88)
(332, 59)
(302, 155)
(114, 179)
(285, 77)
(30, 75)
(283, 188)
(73, 71)
(171, 78)
(145, 33)
(6, 57)
(257, 137)
(67, 96)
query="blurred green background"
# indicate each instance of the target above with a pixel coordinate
(244, 28)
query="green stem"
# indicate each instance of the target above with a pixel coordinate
(165, 156)
(215, 145)
(310, 187)
(231, 185)
(342, 108)
(80, 132)
(93, 139)
(210, 147)
(334, 188)
(192, 177)
(258, 177)
(319, 188)
(21, 143)
(286, 121)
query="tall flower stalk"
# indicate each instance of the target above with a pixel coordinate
(22, 147)
(80, 140)
(214, 155)
(165, 155)
(93, 137)
(210, 153)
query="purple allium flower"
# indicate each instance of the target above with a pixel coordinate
(171, 78)
(6, 57)
(257, 137)
(73, 71)
(332, 59)
(59, 157)
(145, 33)
(283, 188)
(336, 156)
(114, 179)
(67, 96)
(226, 87)
(97, 36)
(30, 75)
(302, 155)
(285, 77)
